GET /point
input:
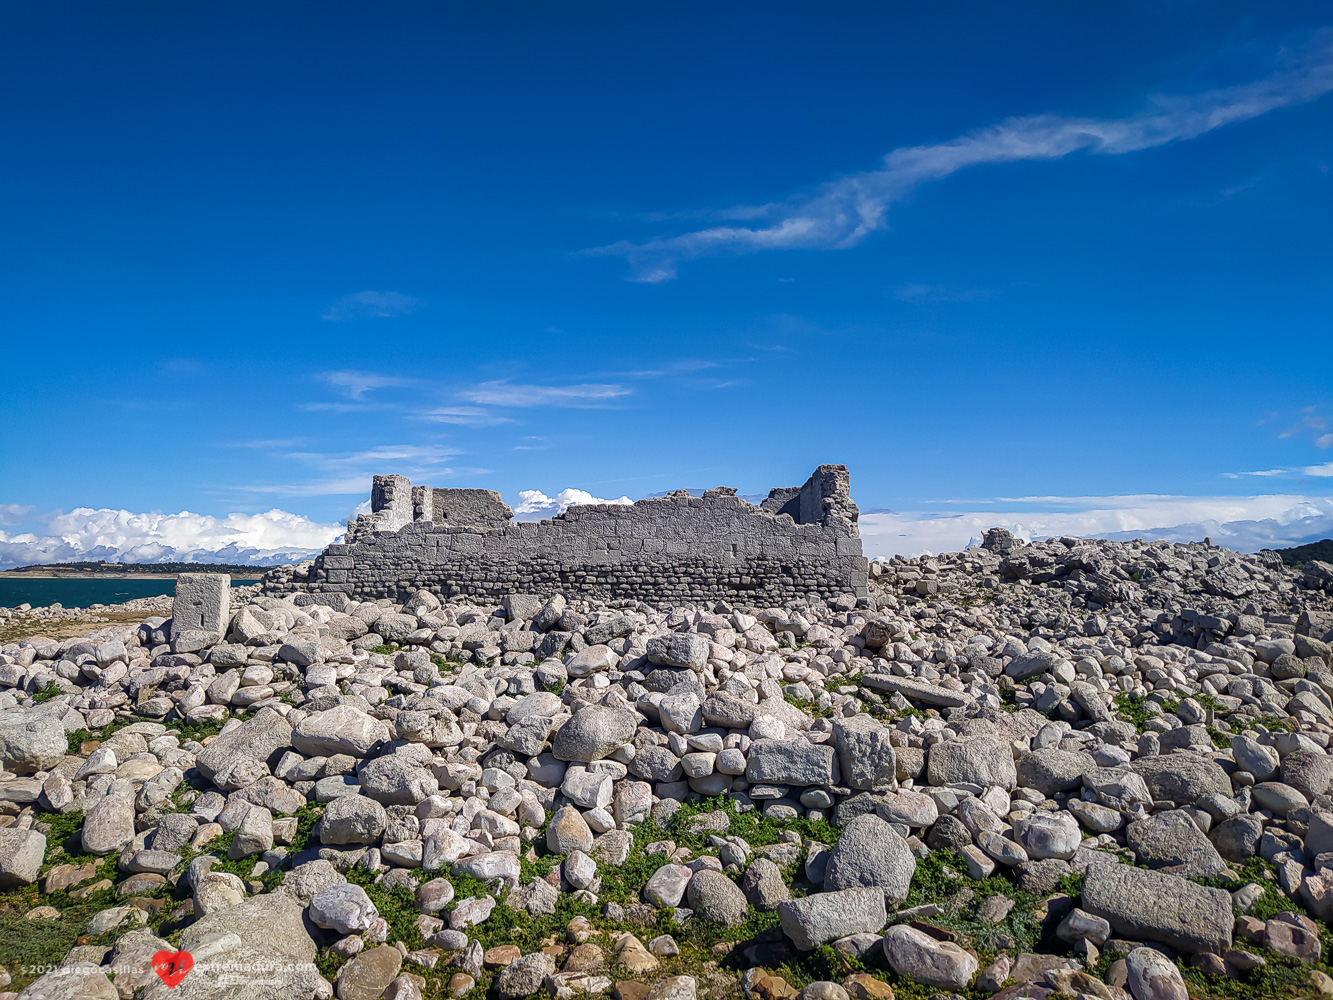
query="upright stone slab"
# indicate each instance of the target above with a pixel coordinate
(201, 604)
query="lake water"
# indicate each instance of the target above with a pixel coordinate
(40, 592)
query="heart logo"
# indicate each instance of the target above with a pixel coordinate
(171, 967)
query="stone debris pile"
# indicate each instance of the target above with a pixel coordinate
(1090, 768)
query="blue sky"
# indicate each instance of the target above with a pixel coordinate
(1037, 260)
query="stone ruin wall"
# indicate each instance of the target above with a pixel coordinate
(800, 542)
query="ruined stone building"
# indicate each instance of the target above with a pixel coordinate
(801, 541)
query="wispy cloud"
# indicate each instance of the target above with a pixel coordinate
(15, 513)
(466, 416)
(1311, 421)
(370, 305)
(843, 212)
(919, 294)
(509, 394)
(337, 474)
(355, 385)
(268, 444)
(1322, 471)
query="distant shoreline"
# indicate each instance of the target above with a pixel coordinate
(11, 574)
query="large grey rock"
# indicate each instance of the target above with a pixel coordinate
(827, 916)
(568, 831)
(716, 898)
(763, 885)
(21, 856)
(914, 689)
(974, 760)
(524, 977)
(369, 974)
(343, 907)
(865, 754)
(1153, 976)
(71, 981)
(266, 932)
(539, 704)
(1237, 839)
(307, 880)
(109, 825)
(261, 738)
(920, 957)
(593, 732)
(352, 819)
(253, 835)
(667, 885)
(1156, 906)
(201, 603)
(1027, 665)
(396, 627)
(31, 740)
(1252, 756)
(1171, 841)
(1308, 771)
(679, 649)
(1048, 835)
(791, 762)
(655, 764)
(342, 729)
(1182, 778)
(1050, 770)
(397, 780)
(1118, 788)
(869, 853)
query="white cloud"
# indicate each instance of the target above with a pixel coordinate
(370, 305)
(355, 385)
(466, 416)
(533, 505)
(352, 473)
(843, 212)
(1244, 523)
(362, 508)
(15, 513)
(1321, 471)
(508, 394)
(275, 536)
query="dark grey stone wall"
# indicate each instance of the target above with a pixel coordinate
(474, 508)
(674, 549)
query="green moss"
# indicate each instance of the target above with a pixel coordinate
(80, 736)
(197, 731)
(1138, 711)
(63, 832)
(306, 818)
(48, 691)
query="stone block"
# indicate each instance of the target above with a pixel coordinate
(201, 603)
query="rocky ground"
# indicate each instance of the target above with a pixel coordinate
(1068, 768)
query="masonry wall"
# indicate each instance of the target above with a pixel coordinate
(678, 548)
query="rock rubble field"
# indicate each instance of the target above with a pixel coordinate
(1066, 768)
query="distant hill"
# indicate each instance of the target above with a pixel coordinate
(134, 569)
(1322, 551)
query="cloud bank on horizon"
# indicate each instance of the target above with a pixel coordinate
(87, 535)
(1247, 524)
(843, 212)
